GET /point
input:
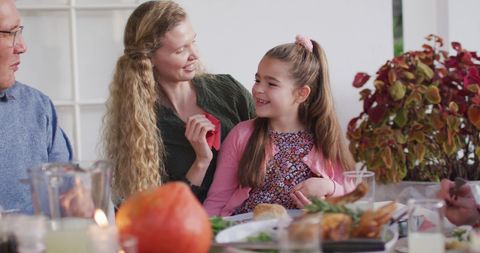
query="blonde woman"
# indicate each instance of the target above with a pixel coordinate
(162, 113)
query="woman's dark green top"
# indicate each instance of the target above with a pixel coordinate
(219, 95)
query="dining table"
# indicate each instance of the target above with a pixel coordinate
(396, 243)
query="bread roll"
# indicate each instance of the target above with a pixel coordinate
(269, 211)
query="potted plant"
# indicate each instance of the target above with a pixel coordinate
(421, 121)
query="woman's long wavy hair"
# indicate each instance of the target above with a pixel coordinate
(317, 114)
(132, 140)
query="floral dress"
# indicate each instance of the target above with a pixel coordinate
(285, 170)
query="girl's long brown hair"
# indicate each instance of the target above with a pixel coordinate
(317, 113)
(132, 140)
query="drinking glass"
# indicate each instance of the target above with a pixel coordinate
(425, 226)
(68, 235)
(70, 189)
(352, 179)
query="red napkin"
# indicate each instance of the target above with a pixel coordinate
(214, 136)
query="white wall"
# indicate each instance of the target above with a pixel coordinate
(453, 20)
(233, 35)
(421, 18)
(464, 23)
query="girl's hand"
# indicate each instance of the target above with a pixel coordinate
(315, 186)
(195, 132)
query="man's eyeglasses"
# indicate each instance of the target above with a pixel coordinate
(15, 33)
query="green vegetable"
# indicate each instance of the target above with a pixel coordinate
(321, 206)
(219, 224)
(260, 237)
(461, 234)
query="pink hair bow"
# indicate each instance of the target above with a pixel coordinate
(305, 42)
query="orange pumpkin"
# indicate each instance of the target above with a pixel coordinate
(167, 219)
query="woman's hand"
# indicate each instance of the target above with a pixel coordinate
(313, 187)
(462, 208)
(196, 131)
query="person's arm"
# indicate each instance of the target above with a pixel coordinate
(59, 148)
(329, 182)
(331, 171)
(318, 187)
(225, 181)
(196, 131)
(336, 175)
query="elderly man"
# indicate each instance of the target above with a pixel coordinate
(29, 131)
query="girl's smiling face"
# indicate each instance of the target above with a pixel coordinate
(275, 91)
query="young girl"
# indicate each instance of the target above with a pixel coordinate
(294, 149)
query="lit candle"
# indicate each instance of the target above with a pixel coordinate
(68, 235)
(103, 237)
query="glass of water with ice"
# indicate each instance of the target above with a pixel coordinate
(425, 226)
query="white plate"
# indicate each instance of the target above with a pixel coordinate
(240, 232)
(245, 217)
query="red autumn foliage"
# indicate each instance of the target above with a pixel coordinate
(422, 120)
(360, 80)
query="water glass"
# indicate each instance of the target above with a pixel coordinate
(68, 235)
(425, 226)
(70, 189)
(354, 178)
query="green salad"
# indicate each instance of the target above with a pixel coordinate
(260, 237)
(219, 223)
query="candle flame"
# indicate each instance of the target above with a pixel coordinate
(100, 218)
